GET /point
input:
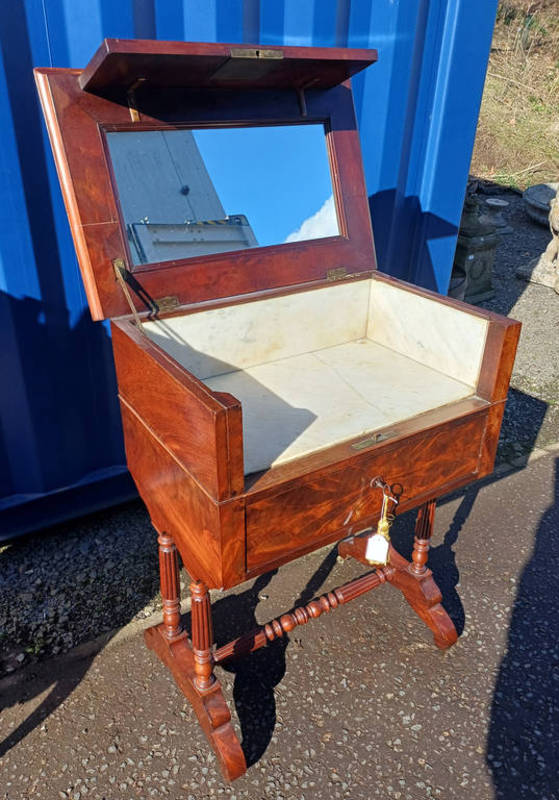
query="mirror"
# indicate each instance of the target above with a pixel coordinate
(187, 193)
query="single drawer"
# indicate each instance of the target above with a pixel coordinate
(339, 499)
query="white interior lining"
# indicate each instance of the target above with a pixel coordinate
(302, 404)
(216, 341)
(322, 366)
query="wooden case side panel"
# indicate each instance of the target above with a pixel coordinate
(495, 375)
(491, 438)
(69, 194)
(178, 506)
(183, 414)
(338, 501)
(498, 359)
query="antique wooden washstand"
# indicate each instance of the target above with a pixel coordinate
(264, 388)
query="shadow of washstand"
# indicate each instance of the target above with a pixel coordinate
(257, 674)
(523, 740)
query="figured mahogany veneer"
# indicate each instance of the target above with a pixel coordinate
(186, 442)
(186, 456)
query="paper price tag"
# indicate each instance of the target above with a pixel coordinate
(377, 550)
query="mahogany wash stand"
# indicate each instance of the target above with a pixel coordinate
(263, 387)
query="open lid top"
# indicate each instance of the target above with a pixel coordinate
(204, 171)
(122, 62)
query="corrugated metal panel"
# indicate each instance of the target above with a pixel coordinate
(60, 438)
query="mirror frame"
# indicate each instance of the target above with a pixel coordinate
(138, 267)
(77, 121)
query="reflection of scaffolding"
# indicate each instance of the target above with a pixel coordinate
(164, 241)
(161, 176)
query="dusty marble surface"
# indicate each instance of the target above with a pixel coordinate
(432, 333)
(322, 366)
(298, 405)
(212, 342)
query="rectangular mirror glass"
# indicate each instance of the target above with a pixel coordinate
(188, 193)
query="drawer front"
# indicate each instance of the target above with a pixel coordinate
(339, 499)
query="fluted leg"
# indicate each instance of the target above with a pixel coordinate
(202, 635)
(192, 665)
(170, 585)
(423, 530)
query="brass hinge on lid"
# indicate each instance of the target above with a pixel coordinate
(253, 52)
(168, 303)
(131, 99)
(337, 274)
(121, 272)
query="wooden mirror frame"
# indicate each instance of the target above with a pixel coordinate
(77, 123)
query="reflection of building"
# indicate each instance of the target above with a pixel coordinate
(169, 203)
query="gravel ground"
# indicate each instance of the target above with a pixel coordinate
(66, 586)
(532, 414)
(70, 584)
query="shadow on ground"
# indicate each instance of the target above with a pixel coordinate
(523, 740)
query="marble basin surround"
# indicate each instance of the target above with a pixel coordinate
(325, 365)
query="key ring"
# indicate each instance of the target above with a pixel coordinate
(393, 492)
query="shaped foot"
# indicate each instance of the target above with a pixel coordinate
(209, 705)
(424, 597)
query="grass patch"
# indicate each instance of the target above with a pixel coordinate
(517, 142)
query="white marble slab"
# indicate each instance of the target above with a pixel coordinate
(439, 336)
(302, 404)
(308, 377)
(216, 341)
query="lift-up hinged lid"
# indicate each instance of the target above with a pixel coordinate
(207, 171)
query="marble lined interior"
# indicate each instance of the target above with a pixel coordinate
(323, 366)
(302, 404)
(430, 332)
(211, 342)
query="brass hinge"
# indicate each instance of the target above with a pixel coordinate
(131, 99)
(337, 274)
(168, 303)
(253, 52)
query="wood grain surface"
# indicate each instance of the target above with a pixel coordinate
(339, 498)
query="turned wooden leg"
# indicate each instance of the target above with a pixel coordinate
(170, 586)
(416, 582)
(192, 665)
(202, 635)
(423, 530)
